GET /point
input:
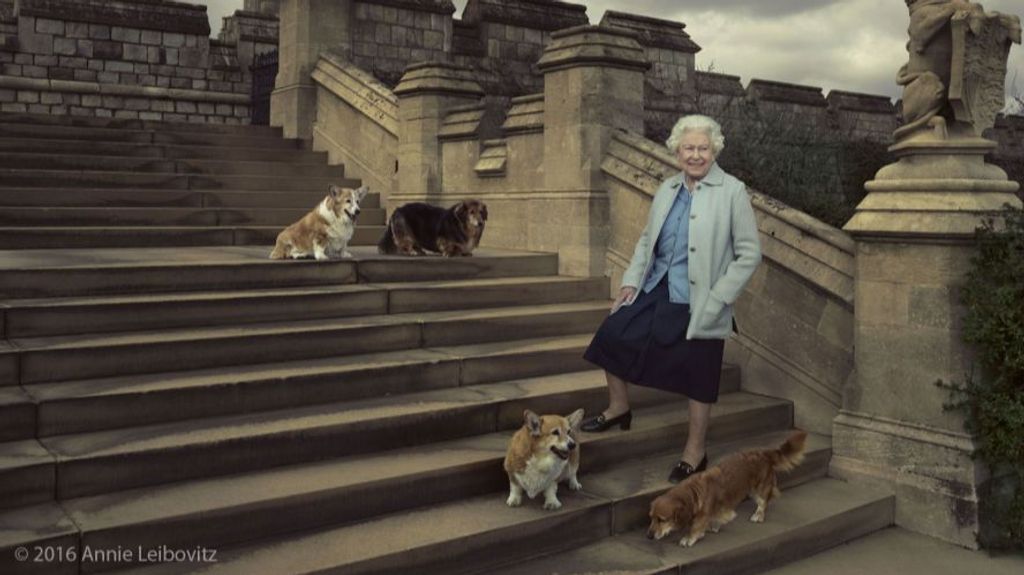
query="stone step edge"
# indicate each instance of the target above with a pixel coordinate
(447, 466)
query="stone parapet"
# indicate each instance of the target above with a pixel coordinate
(438, 78)
(856, 102)
(356, 123)
(79, 57)
(783, 92)
(714, 83)
(546, 15)
(359, 90)
(463, 122)
(162, 15)
(593, 46)
(653, 32)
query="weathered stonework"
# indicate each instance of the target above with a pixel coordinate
(145, 59)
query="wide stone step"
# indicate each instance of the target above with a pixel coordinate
(85, 162)
(123, 401)
(226, 511)
(70, 273)
(28, 474)
(165, 216)
(25, 238)
(63, 358)
(167, 151)
(128, 124)
(480, 534)
(189, 138)
(17, 414)
(45, 526)
(134, 197)
(806, 520)
(104, 314)
(31, 178)
(113, 460)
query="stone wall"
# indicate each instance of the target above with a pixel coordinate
(388, 35)
(144, 59)
(795, 317)
(250, 33)
(357, 123)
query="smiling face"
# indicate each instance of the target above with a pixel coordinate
(694, 154)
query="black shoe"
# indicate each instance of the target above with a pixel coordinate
(682, 470)
(601, 423)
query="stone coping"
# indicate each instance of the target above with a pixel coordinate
(772, 91)
(434, 6)
(715, 83)
(255, 15)
(525, 115)
(548, 15)
(858, 102)
(438, 78)
(359, 89)
(77, 87)
(163, 15)
(584, 46)
(653, 32)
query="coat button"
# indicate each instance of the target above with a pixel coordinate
(693, 216)
(693, 283)
(693, 249)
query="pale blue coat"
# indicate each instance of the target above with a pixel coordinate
(724, 248)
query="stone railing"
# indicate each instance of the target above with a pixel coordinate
(795, 317)
(138, 59)
(356, 122)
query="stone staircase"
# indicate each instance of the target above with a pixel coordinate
(184, 391)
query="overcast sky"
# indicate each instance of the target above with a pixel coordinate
(854, 45)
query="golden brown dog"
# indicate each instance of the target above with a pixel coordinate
(708, 500)
(324, 232)
(542, 453)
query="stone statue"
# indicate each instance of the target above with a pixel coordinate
(954, 79)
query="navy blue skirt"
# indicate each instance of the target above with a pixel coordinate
(645, 343)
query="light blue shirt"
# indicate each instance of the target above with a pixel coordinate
(670, 254)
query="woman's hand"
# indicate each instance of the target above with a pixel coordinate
(626, 296)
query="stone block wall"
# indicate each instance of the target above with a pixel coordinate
(388, 35)
(503, 40)
(250, 33)
(136, 59)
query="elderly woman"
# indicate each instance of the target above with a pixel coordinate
(668, 325)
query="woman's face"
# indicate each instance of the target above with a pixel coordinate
(694, 154)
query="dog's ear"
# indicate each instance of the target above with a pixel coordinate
(361, 192)
(483, 211)
(532, 422)
(334, 191)
(460, 210)
(575, 418)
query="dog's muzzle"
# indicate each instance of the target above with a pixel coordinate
(562, 454)
(354, 214)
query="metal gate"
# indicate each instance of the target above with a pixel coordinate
(264, 72)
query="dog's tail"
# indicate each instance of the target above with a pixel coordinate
(386, 245)
(789, 454)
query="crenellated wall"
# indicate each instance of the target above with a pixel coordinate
(138, 59)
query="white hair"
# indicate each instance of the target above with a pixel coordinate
(697, 123)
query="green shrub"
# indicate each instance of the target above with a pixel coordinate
(993, 398)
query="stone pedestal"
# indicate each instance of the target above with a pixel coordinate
(425, 95)
(593, 85)
(308, 27)
(914, 233)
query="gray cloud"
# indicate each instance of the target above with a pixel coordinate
(854, 45)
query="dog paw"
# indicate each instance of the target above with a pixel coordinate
(513, 501)
(347, 254)
(714, 528)
(687, 541)
(575, 485)
(552, 504)
(757, 517)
